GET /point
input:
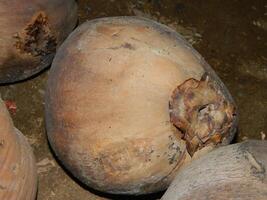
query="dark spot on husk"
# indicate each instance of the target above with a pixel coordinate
(128, 46)
(125, 45)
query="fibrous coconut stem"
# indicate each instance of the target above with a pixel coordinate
(201, 112)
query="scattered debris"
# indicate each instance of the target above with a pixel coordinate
(244, 138)
(260, 23)
(263, 135)
(256, 69)
(41, 91)
(45, 165)
(33, 140)
(11, 106)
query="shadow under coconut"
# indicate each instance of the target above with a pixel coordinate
(16, 72)
(236, 137)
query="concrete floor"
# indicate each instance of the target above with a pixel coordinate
(231, 35)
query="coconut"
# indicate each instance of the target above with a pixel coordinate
(128, 102)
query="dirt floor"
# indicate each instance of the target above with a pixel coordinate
(231, 35)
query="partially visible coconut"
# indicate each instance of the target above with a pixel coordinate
(30, 33)
(234, 172)
(18, 174)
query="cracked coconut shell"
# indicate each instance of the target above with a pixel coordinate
(18, 175)
(30, 33)
(234, 172)
(129, 101)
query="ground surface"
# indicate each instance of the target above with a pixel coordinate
(230, 34)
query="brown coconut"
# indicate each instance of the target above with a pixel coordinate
(30, 33)
(129, 101)
(234, 172)
(18, 175)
